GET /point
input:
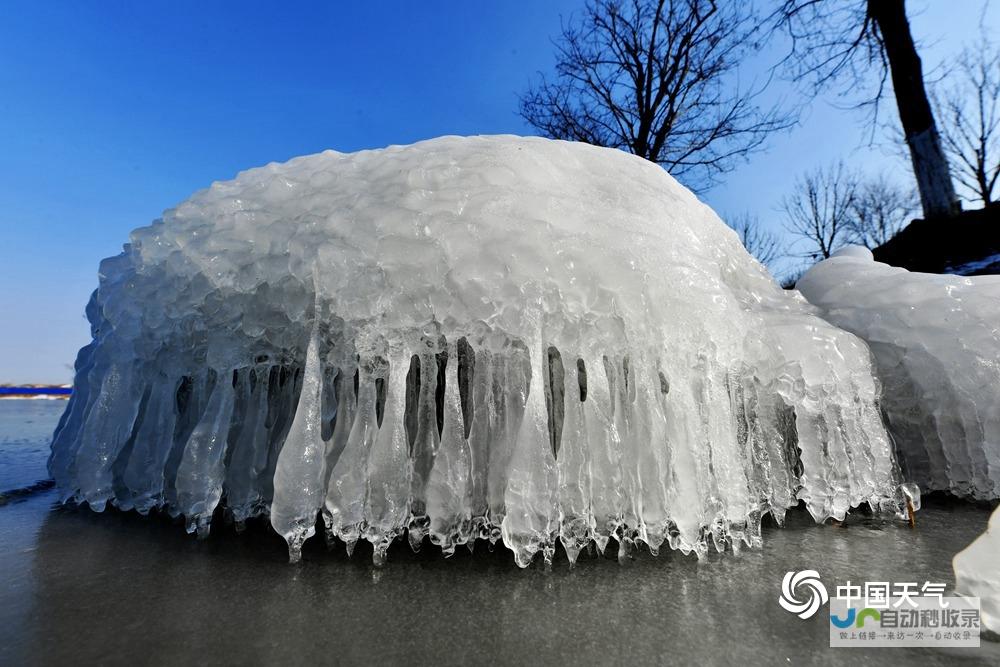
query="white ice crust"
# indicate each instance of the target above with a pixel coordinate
(936, 340)
(977, 572)
(399, 340)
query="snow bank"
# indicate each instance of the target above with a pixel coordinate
(494, 337)
(977, 572)
(936, 340)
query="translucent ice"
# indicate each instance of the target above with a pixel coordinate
(977, 572)
(467, 338)
(936, 340)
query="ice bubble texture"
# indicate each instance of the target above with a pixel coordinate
(492, 338)
(936, 340)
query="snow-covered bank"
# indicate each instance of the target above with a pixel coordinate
(936, 340)
(977, 572)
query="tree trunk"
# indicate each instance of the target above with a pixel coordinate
(930, 166)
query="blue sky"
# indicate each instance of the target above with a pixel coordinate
(111, 112)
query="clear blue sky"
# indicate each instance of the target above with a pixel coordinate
(111, 112)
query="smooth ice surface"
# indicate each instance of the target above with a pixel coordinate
(977, 572)
(936, 340)
(233, 602)
(491, 337)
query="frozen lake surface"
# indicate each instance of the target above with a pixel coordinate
(82, 588)
(25, 432)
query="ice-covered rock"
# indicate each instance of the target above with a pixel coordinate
(936, 340)
(491, 337)
(977, 572)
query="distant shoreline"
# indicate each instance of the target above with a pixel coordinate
(36, 391)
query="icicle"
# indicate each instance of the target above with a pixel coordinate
(480, 439)
(347, 408)
(345, 495)
(576, 518)
(249, 450)
(329, 402)
(286, 400)
(449, 487)
(66, 440)
(648, 458)
(530, 522)
(387, 510)
(511, 375)
(200, 475)
(192, 398)
(299, 473)
(153, 441)
(425, 446)
(108, 426)
(606, 482)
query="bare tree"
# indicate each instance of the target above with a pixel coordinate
(658, 78)
(790, 277)
(819, 210)
(847, 39)
(970, 116)
(759, 242)
(879, 211)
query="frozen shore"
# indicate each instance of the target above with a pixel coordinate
(110, 588)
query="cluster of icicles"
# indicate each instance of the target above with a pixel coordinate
(455, 443)
(497, 338)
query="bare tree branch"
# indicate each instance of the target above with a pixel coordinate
(970, 120)
(835, 43)
(658, 78)
(759, 242)
(879, 211)
(845, 42)
(819, 210)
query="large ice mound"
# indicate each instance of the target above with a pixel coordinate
(936, 340)
(494, 337)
